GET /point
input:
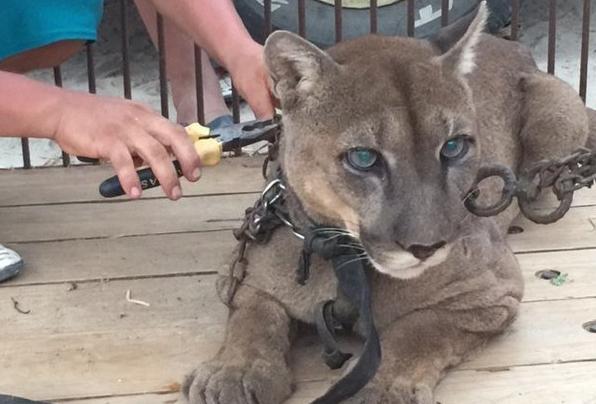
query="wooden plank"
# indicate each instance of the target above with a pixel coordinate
(158, 255)
(126, 218)
(579, 265)
(576, 230)
(188, 253)
(570, 383)
(166, 398)
(119, 219)
(143, 256)
(80, 183)
(90, 342)
(545, 332)
(585, 197)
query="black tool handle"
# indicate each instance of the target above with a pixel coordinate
(111, 187)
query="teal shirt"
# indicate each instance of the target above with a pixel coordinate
(30, 24)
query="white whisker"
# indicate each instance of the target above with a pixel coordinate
(359, 257)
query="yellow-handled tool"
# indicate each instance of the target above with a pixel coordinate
(209, 145)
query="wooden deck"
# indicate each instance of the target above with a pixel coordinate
(82, 342)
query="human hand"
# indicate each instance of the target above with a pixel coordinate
(123, 132)
(250, 77)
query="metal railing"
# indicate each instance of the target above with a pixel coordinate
(301, 17)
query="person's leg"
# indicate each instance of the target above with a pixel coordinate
(10, 263)
(181, 71)
(41, 58)
(41, 34)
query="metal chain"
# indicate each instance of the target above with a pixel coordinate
(563, 176)
(268, 213)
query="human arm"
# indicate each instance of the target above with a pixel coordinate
(98, 127)
(216, 27)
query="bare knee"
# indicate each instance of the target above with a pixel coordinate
(41, 58)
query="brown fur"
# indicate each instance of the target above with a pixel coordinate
(403, 98)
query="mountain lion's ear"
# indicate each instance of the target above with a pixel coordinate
(295, 65)
(458, 41)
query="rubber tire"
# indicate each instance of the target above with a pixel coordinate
(320, 18)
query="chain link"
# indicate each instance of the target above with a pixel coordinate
(563, 176)
(268, 213)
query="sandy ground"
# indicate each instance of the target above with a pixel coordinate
(145, 81)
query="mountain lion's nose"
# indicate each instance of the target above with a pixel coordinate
(423, 252)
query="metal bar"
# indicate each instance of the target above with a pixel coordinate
(515, 19)
(302, 18)
(235, 104)
(236, 113)
(91, 69)
(267, 18)
(338, 29)
(26, 152)
(58, 83)
(585, 52)
(199, 85)
(163, 81)
(373, 16)
(91, 81)
(444, 13)
(125, 49)
(411, 20)
(552, 35)
(57, 76)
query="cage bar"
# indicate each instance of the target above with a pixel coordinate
(267, 26)
(199, 85)
(163, 80)
(552, 35)
(338, 22)
(373, 16)
(125, 50)
(58, 83)
(91, 82)
(515, 19)
(235, 104)
(411, 18)
(585, 51)
(444, 13)
(302, 18)
(26, 152)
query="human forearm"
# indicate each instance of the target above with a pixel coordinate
(112, 129)
(27, 107)
(213, 24)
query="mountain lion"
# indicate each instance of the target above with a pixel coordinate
(383, 138)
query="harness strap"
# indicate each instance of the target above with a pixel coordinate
(326, 323)
(354, 284)
(354, 287)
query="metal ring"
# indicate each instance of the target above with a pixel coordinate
(271, 185)
(507, 194)
(558, 213)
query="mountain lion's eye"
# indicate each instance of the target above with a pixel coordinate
(455, 149)
(362, 159)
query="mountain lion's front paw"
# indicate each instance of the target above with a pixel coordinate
(398, 393)
(257, 382)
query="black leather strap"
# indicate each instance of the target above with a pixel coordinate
(353, 286)
(326, 324)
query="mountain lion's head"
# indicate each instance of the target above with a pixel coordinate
(379, 138)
